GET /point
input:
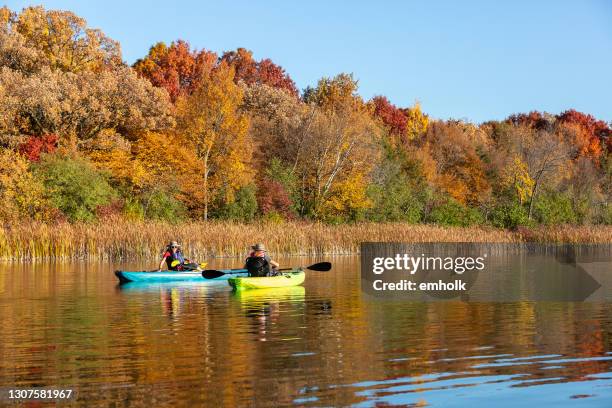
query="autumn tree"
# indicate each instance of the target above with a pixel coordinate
(338, 149)
(154, 166)
(392, 117)
(403, 125)
(534, 120)
(546, 157)
(588, 134)
(176, 68)
(533, 160)
(460, 171)
(112, 152)
(272, 197)
(211, 122)
(334, 93)
(78, 106)
(323, 143)
(61, 77)
(417, 123)
(36, 37)
(263, 72)
(23, 194)
(278, 122)
(164, 162)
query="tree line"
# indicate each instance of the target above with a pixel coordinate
(190, 134)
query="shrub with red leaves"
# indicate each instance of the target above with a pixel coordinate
(273, 197)
(35, 145)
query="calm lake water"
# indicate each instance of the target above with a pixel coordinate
(323, 344)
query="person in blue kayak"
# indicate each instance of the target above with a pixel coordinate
(259, 262)
(174, 259)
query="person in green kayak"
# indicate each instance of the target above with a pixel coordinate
(174, 259)
(259, 262)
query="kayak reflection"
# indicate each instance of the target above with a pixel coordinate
(264, 307)
(201, 286)
(173, 296)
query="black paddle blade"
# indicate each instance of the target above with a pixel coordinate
(320, 267)
(212, 274)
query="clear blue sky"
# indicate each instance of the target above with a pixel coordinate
(474, 60)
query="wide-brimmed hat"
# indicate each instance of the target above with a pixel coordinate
(259, 247)
(174, 244)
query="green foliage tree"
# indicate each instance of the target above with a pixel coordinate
(74, 186)
(161, 206)
(510, 214)
(243, 207)
(452, 213)
(398, 191)
(555, 208)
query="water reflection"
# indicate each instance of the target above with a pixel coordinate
(323, 344)
(263, 307)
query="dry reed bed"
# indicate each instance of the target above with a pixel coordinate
(119, 239)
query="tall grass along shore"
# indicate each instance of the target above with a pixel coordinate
(123, 240)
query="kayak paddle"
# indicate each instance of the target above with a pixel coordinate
(212, 274)
(319, 267)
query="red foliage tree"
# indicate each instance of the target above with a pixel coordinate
(34, 146)
(262, 72)
(273, 197)
(598, 131)
(176, 68)
(243, 63)
(391, 115)
(533, 119)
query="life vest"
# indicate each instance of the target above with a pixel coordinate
(257, 266)
(174, 261)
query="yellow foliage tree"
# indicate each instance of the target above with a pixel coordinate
(64, 39)
(155, 161)
(333, 93)
(21, 192)
(348, 199)
(417, 122)
(163, 161)
(108, 150)
(211, 122)
(516, 176)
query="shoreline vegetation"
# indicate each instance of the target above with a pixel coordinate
(124, 240)
(100, 159)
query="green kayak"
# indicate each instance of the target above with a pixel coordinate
(289, 278)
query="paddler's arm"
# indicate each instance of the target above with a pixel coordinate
(274, 264)
(161, 264)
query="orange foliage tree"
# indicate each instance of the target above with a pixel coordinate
(176, 68)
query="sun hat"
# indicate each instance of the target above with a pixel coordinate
(259, 247)
(174, 244)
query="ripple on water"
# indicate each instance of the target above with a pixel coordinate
(317, 345)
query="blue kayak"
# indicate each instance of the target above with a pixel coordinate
(171, 276)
